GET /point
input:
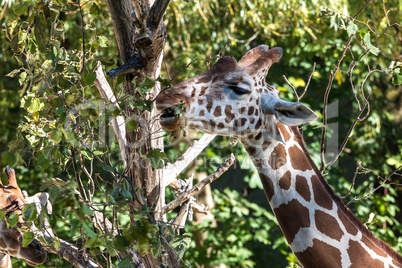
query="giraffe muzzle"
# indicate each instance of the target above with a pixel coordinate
(172, 118)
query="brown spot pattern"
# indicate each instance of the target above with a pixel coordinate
(242, 110)
(250, 110)
(209, 106)
(265, 145)
(193, 92)
(291, 217)
(228, 113)
(202, 113)
(328, 225)
(259, 135)
(203, 89)
(200, 101)
(268, 186)
(212, 123)
(278, 157)
(302, 187)
(240, 122)
(218, 111)
(251, 150)
(285, 181)
(359, 257)
(321, 196)
(220, 125)
(283, 131)
(298, 159)
(320, 255)
(258, 124)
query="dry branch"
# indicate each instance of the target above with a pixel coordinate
(198, 187)
(118, 122)
(74, 255)
(172, 171)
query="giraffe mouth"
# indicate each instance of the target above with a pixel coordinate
(171, 118)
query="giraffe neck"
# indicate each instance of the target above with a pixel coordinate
(319, 228)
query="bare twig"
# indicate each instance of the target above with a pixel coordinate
(191, 62)
(117, 122)
(308, 83)
(377, 188)
(198, 187)
(326, 97)
(305, 88)
(172, 171)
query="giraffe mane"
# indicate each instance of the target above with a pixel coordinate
(350, 216)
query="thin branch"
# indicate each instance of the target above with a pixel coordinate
(118, 122)
(377, 188)
(191, 62)
(326, 97)
(172, 171)
(199, 186)
(308, 83)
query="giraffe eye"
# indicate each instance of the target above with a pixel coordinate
(238, 90)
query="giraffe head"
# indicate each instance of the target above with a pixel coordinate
(232, 99)
(12, 201)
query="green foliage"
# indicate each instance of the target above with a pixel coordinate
(55, 118)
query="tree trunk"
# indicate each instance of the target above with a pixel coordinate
(141, 36)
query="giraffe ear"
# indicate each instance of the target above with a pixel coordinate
(264, 62)
(252, 55)
(288, 113)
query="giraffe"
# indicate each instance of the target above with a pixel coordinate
(13, 201)
(233, 99)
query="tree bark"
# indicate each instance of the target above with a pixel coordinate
(141, 36)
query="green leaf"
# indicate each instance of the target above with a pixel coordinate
(13, 73)
(43, 162)
(102, 40)
(35, 106)
(27, 238)
(155, 158)
(94, 10)
(86, 154)
(121, 243)
(87, 210)
(2, 214)
(352, 28)
(30, 212)
(146, 85)
(95, 242)
(397, 77)
(374, 50)
(131, 125)
(88, 230)
(21, 9)
(9, 158)
(110, 169)
(13, 220)
(22, 78)
(56, 135)
(126, 263)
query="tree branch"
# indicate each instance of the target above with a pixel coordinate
(118, 122)
(156, 13)
(198, 187)
(172, 171)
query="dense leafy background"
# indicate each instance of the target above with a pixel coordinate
(54, 124)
